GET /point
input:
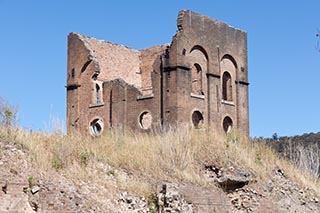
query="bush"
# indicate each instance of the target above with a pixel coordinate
(8, 114)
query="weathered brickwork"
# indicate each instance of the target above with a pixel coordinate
(201, 79)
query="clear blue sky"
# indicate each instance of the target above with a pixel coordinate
(284, 67)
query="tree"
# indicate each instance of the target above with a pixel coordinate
(275, 137)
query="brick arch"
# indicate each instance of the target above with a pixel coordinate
(198, 61)
(228, 72)
(229, 57)
(201, 49)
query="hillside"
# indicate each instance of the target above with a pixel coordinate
(181, 170)
(302, 150)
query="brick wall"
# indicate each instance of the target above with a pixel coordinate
(166, 84)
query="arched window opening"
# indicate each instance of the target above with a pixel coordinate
(227, 124)
(196, 75)
(97, 94)
(197, 119)
(145, 120)
(96, 127)
(226, 87)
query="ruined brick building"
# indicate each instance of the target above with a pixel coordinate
(201, 78)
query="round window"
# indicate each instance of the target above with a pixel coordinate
(145, 120)
(227, 124)
(197, 119)
(96, 127)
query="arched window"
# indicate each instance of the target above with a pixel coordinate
(196, 76)
(226, 86)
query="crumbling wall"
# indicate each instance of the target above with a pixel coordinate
(148, 57)
(81, 64)
(201, 79)
(117, 61)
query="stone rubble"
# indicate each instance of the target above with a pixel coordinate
(132, 204)
(170, 200)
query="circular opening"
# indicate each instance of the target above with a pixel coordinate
(96, 127)
(145, 120)
(197, 119)
(227, 124)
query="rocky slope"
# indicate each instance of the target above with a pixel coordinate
(26, 188)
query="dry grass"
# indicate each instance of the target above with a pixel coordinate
(176, 155)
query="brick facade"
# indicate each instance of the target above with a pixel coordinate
(201, 79)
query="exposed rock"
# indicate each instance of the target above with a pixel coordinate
(14, 199)
(170, 199)
(229, 179)
(35, 189)
(130, 203)
(245, 199)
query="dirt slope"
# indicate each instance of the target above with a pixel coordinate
(26, 188)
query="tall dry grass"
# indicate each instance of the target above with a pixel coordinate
(174, 155)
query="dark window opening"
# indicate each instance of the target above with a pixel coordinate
(196, 75)
(226, 86)
(227, 124)
(197, 119)
(96, 127)
(72, 73)
(184, 51)
(97, 94)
